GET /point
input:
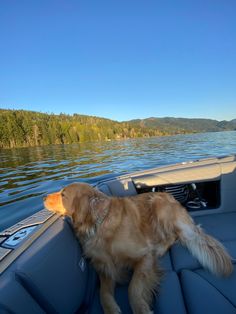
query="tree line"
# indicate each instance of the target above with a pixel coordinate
(20, 128)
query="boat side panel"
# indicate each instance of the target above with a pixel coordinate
(218, 170)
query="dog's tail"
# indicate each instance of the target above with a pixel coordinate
(210, 253)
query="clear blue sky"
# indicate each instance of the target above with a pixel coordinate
(119, 59)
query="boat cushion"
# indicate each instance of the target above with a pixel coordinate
(186, 287)
(205, 293)
(15, 299)
(57, 266)
(220, 226)
(53, 277)
(202, 291)
(170, 288)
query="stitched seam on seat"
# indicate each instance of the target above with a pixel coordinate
(215, 289)
(6, 309)
(171, 260)
(184, 268)
(32, 289)
(182, 292)
(194, 268)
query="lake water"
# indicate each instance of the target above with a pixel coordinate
(26, 174)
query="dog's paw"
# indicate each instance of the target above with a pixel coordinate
(112, 310)
(118, 311)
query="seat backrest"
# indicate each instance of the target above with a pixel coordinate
(50, 276)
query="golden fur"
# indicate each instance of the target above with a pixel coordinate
(131, 233)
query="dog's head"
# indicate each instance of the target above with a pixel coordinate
(83, 203)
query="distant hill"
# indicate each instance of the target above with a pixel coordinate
(181, 125)
(20, 128)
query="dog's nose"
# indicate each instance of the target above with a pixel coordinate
(44, 198)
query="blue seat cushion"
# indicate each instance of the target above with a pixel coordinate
(220, 226)
(206, 293)
(169, 299)
(50, 269)
(186, 287)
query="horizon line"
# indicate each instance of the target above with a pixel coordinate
(138, 118)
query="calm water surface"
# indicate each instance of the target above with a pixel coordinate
(26, 174)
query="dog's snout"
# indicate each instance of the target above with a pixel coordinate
(45, 198)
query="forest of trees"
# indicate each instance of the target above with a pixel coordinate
(20, 128)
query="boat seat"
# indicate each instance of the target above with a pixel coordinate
(186, 287)
(170, 289)
(221, 226)
(53, 277)
(204, 292)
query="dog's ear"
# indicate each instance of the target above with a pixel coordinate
(82, 216)
(88, 210)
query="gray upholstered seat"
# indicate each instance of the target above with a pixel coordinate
(186, 287)
(221, 226)
(205, 293)
(52, 277)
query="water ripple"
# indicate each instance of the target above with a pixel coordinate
(29, 173)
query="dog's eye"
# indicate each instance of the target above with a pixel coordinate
(63, 194)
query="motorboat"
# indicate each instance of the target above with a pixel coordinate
(43, 269)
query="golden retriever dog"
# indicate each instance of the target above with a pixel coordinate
(120, 233)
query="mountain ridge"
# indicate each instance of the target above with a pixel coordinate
(188, 124)
(22, 128)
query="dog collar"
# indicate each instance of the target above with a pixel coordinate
(93, 231)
